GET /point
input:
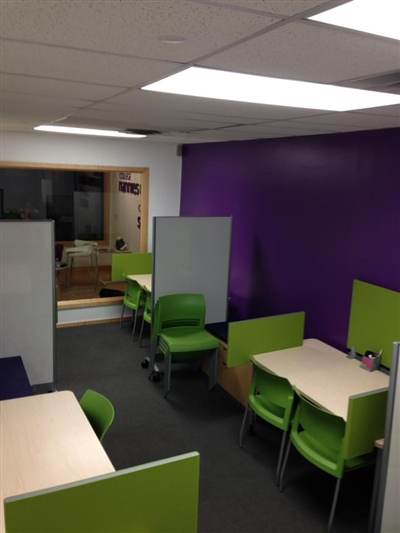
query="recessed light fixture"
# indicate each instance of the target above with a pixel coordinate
(370, 16)
(208, 83)
(87, 131)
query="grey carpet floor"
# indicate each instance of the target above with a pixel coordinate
(237, 490)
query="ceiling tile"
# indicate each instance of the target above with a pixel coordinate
(354, 119)
(56, 88)
(131, 28)
(285, 8)
(305, 51)
(82, 66)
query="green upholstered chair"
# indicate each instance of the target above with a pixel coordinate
(271, 398)
(178, 332)
(133, 299)
(147, 312)
(99, 411)
(319, 437)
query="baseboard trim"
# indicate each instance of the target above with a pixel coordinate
(91, 311)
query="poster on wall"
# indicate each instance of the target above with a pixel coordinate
(126, 189)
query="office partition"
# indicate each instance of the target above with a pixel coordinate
(28, 297)
(261, 335)
(192, 255)
(366, 417)
(388, 516)
(130, 264)
(158, 497)
(374, 320)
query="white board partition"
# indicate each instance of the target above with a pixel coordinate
(192, 255)
(388, 514)
(27, 297)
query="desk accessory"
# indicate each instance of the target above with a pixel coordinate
(372, 360)
(352, 353)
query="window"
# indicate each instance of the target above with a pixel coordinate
(73, 199)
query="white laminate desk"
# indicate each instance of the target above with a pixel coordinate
(144, 280)
(46, 440)
(323, 374)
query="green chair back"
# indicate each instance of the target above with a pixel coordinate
(147, 315)
(175, 311)
(272, 398)
(99, 411)
(133, 294)
(147, 312)
(319, 436)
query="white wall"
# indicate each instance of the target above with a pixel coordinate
(161, 159)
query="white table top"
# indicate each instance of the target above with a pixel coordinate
(323, 374)
(144, 280)
(46, 440)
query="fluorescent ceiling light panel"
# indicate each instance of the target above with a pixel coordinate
(208, 83)
(379, 17)
(87, 131)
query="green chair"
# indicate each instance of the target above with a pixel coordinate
(178, 332)
(271, 398)
(99, 411)
(147, 312)
(133, 299)
(319, 437)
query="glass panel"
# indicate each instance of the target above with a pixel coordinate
(73, 199)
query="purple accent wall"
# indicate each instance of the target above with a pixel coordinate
(310, 215)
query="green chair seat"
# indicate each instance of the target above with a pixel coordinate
(192, 342)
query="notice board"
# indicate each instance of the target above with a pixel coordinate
(192, 255)
(27, 296)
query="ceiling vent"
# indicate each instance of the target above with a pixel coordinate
(142, 132)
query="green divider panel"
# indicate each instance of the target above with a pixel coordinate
(131, 264)
(366, 417)
(159, 497)
(261, 335)
(374, 320)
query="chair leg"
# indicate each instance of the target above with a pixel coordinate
(122, 315)
(167, 376)
(246, 412)
(333, 508)
(134, 325)
(71, 260)
(153, 349)
(278, 468)
(140, 334)
(212, 380)
(284, 467)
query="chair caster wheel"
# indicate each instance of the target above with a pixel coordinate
(154, 376)
(144, 363)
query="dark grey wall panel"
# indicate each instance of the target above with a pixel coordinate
(27, 296)
(389, 496)
(192, 255)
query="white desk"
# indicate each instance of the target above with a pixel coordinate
(144, 280)
(46, 440)
(323, 374)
